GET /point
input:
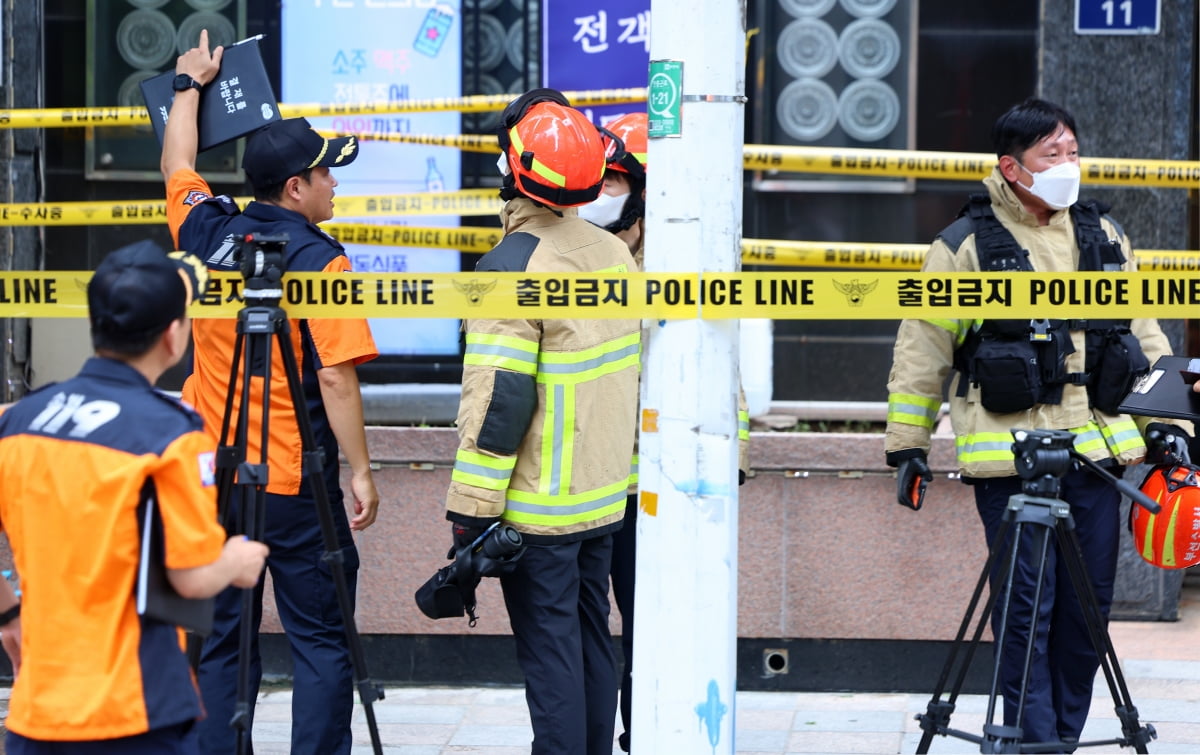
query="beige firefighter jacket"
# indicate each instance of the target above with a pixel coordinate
(924, 353)
(548, 408)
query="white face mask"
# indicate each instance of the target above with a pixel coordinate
(605, 210)
(1057, 186)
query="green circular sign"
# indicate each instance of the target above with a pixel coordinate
(663, 95)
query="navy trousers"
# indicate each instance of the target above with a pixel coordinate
(323, 676)
(624, 567)
(1064, 666)
(557, 601)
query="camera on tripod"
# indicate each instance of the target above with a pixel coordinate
(262, 263)
(1042, 457)
(451, 591)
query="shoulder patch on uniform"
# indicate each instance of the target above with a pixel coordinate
(207, 462)
(195, 196)
(956, 233)
(511, 255)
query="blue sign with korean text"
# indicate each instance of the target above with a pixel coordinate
(596, 44)
(1118, 16)
(398, 51)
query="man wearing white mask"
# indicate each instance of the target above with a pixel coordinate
(1036, 374)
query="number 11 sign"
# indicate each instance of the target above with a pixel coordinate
(1117, 16)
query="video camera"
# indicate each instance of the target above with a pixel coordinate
(262, 263)
(451, 591)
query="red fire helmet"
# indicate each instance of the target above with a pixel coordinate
(1169, 539)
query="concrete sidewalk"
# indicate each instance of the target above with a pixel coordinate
(1160, 661)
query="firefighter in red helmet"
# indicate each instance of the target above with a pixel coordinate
(546, 428)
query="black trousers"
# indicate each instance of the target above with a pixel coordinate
(557, 601)
(624, 567)
(1059, 690)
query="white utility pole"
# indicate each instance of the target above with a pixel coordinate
(685, 634)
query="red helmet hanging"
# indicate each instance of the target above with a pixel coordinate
(1169, 539)
(554, 152)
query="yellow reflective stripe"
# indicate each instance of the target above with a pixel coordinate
(984, 447)
(487, 350)
(959, 328)
(911, 409)
(1088, 438)
(743, 424)
(566, 444)
(1123, 436)
(633, 470)
(557, 510)
(482, 471)
(537, 166)
(584, 359)
(588, 364)
(1148, 543)
(546, 471)
(1168, 552)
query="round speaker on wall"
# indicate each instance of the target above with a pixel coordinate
(807, 47)
(807, 8)
(869, 48)
(807, 109)
(220, 31)
(868, 8)
(146, 39)
(868, 110)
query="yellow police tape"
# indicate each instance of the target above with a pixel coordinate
(469, 202)
(957, 165)
(476, 202)
(139, 116)
(889, 163)
(781, 296)
(775, 253)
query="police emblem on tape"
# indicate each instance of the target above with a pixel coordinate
(855, 292)
(474, 290)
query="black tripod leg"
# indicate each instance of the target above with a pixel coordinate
(248, 481)
(313, 461)
(1136, 734)
(936, 719)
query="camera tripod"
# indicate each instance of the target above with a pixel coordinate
(260, 323)
(1042, 458)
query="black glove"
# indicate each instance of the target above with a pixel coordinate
(1167, 444)
(463, 536)
(912, 477)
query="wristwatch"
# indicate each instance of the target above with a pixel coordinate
(183, 82)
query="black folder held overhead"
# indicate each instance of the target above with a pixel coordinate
(239, 101)
(1166, 390)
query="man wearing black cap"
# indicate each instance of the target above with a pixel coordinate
(92, 669)
(288, 165)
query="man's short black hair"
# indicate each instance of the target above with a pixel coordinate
(1024, 125)
(273, 192)
(125, 345)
